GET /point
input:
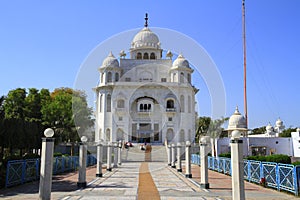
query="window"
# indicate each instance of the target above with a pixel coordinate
(174, 77)
(100, 104)
(108, 103)
(146, 56)
(145, 107)
(109, 77)
(152, 55)
(181, 77)
(181, 103)
(181, 136)
(127, 79)
(189, 104)
(170, 105)
(120, 103)
(102, 77)
(108, 134)
(163, 79)
(117, 77)
(120, 118)
(189, 77)
(170, 119)
(139, 55)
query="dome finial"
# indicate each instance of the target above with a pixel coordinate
(146, 20)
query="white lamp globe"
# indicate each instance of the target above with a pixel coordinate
(49, 132)
(84, 139)
(205, 140)
(235, 134)
(188, 143)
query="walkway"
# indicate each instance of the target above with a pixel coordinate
(142, 180)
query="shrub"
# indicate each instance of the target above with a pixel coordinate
(57, 154)
(279, 158)
(296, 163)
(226, 155)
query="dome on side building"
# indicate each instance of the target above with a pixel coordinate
(110, 61)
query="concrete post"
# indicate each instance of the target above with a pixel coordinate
(109, 156)
(46, 167)
(82, 163)
(179, 168)
(238, 191)
(204, 162)
(188, 166)
(169, 155)
(115, 147)
(99, 160)
(173, 156)
(119, 153)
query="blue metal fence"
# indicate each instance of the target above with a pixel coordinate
(276, 175)
(22, 171)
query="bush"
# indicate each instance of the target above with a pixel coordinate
(226, 155)
(278, 158)
(31, 156)
(57, 154)
(296, 163)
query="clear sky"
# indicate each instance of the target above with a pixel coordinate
(43, 44)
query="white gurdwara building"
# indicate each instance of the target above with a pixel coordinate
(145, 98)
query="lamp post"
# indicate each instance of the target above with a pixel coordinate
(115, 147)
(46, 165)
(237, 164)
(119, 153)
(179, 168)
(99, 159)
(204, 141)
(188, 173)
(109, 152)
(173, 156)
(169, 154)
(82, 163)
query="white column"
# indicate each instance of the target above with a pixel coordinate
(238, 192)
(119, 153)
(204, 141)
(169, 155)
(46, 168)
(99, 160)
(188, 167)
(82, 166)
(179, 168)
(115, 147)
(109, 152)
(173, 155)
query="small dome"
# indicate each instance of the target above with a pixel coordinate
(110, 61)
(145, 38)
(237, 121)
(269, 128)
(279, 123)
(180, 62)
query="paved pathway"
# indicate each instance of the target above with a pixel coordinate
(124, 182)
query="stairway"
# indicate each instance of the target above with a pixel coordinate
(135, 154)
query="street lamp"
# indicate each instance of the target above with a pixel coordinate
(46, 165)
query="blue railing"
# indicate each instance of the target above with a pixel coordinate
(276, 175)
(22, 171)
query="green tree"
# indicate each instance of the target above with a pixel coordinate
(2, 141)
(202, 125)
(69, 113)
(287, 132)
(260, 130)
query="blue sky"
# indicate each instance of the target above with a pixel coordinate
(43, 44)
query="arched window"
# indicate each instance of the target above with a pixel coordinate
(100, 104)
(108, 103)
(174, 77)
(189, 104)
(108, 134)
(189, 78)
(181, 136)
(170, 104)
(146, 56)
(120, 135)
(181, 77)
(170, 135)
(102, 77)
(117, 77)
(141, 107)
(109, 77)
(181, 103)
(152, 55)
(139, 55)
(121, 103)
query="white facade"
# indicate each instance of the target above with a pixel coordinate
(145, 98)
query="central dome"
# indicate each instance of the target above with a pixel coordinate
(145, 38)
